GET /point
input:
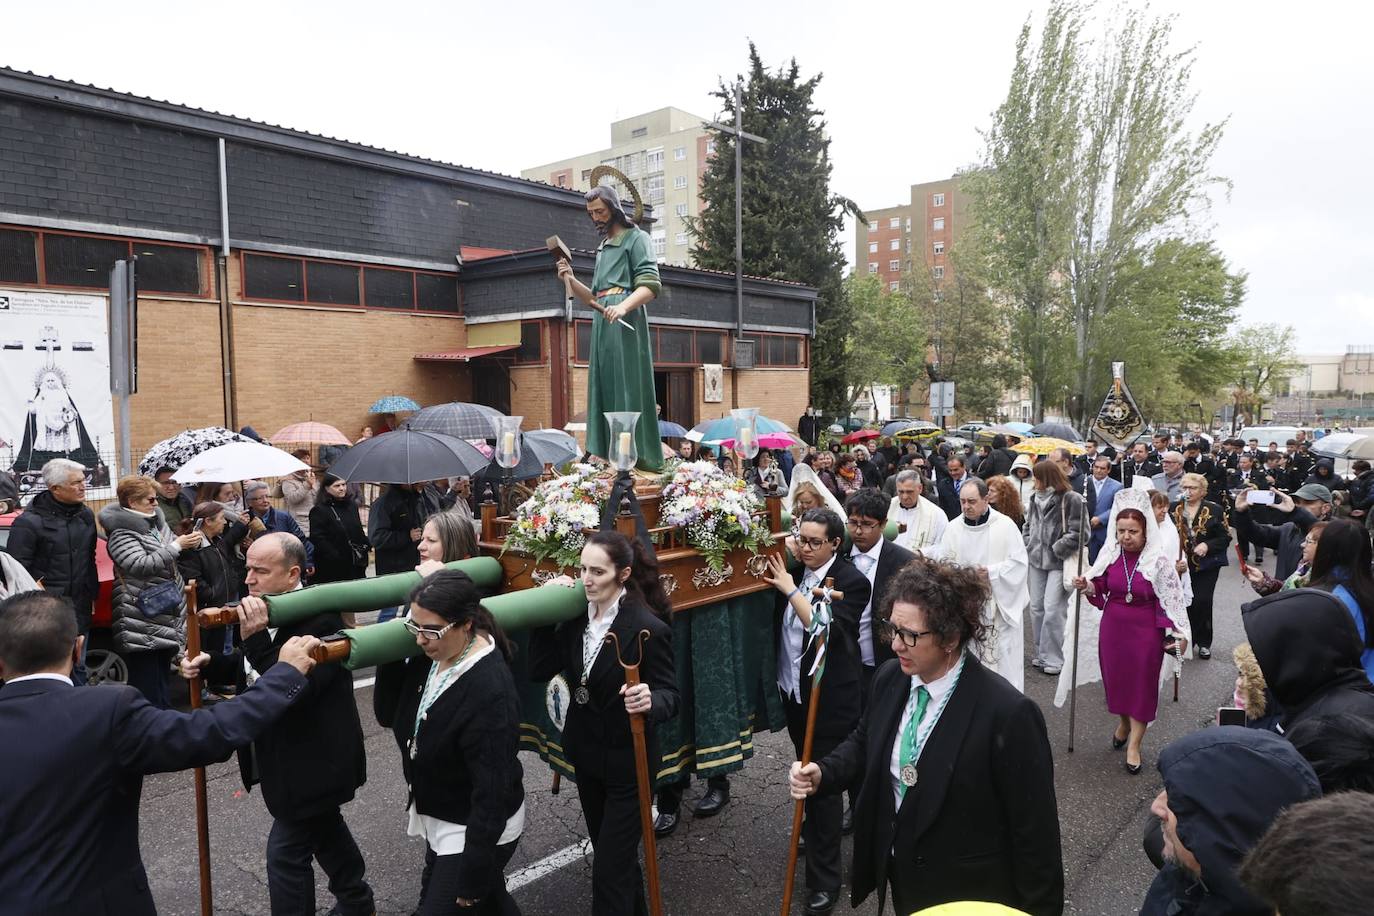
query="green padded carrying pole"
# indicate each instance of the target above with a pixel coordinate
(368, 594)
(531, 607)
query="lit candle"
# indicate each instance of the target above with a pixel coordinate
(508, 444)
(745, 438)
(624, 445)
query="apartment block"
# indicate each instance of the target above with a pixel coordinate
(919, 234)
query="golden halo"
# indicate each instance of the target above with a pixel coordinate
(601, 171)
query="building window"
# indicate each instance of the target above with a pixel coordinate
(894, 245)
(938, 272)
(908, 224)
(653, 161)
(531, 350)
(586, 174)
(873, 226)
(279, 279)
(654, 186)
(672, 346)
(873, 267)
(938, 247)
(872, 247)
(679, 153)
(680, 210)
(894, 285)
(659, 238)
(937, 200)
(710, 147)
(639, 132)
(937, 224)
(436, 293)
(778, 350)
(389, 289)
(18, 256)
(336, 284)
(710, 347)
(894, 223)
(908, 246)
(680, 239)
(680, 183)
(168, 268)
(894, 265)
(563, 180)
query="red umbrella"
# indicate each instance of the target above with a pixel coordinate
(859, 435)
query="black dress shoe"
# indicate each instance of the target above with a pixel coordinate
(665, 824)
(1118, 743)
(1133, 769)
(712, 803)
(820, 903)
(847, 822)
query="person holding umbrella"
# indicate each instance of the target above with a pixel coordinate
(624, 597)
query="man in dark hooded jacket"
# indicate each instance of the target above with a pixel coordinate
(1309, 652)
(998, 461)
(1223, 787)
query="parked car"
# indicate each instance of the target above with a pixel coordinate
(968, 430)
(102, 662)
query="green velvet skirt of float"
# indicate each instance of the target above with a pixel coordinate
(620, 376)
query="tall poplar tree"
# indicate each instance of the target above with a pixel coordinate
(791, 220)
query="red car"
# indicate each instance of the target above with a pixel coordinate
(102, 662)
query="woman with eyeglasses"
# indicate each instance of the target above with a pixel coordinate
(624, 597)
(958, 797)
(818, 542)
(149, 608)
(455, 712)
(1202, 526)
(1265, 584)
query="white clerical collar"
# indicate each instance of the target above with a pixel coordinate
(42, 676)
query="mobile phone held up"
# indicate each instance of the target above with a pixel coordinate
(1260, 497)
(1230, 715)
(200, 523)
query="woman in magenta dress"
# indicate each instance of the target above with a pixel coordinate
(1138, 590)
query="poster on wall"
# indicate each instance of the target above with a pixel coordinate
(55, 399)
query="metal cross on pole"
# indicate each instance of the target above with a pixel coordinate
(737, 131)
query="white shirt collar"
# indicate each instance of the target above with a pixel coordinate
(42, 675)
(819, 574)
(872, 552)
(938, 687)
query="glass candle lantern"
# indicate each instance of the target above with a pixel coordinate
(508, 442)
(745, 421)
(622, 452)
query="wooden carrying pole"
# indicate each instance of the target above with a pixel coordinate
(646, 819)
(207, 904)
(807, 742)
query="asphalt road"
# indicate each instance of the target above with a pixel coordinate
(731, 864)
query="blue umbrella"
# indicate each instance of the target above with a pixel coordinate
(1022, 427)
(712, 431)
(667, 429)
(392, 403)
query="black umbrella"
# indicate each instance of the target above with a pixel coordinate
(409, 456)
(528, 468)
(550, 446)
(458, 419)
(1058, 431)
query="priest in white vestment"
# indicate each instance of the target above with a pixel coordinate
(983, 537)
(920, 522)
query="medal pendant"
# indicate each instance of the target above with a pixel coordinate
(908, 775)
(582, 696)
(414, 749)
(1130, 599)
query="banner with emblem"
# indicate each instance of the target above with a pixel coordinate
(1119, 422)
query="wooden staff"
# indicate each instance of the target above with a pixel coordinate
(646, 819)
(807, 742)
(207, 904)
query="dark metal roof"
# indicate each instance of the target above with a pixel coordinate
(53, 91)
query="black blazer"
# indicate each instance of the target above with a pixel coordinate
(891, 559)
(334, 526)
(312, 761)
(840, 696)
(73, 761)
(980, 824)
(466, 768)
(596, 736)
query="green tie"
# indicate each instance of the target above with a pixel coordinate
(908, 754)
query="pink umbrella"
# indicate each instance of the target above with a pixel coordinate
(309, 433)
(767, 440)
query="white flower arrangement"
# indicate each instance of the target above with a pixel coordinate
(716, 510)
(550, 524)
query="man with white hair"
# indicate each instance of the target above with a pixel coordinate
(54, 540)
(1169, 480)
(920, 522)
(257, 497)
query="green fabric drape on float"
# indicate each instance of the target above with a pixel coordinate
(727, 676)
(369, 594)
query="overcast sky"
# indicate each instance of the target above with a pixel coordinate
(906, 88)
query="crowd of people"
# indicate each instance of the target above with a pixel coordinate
(922, 729)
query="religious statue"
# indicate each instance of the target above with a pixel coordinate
(620, 371)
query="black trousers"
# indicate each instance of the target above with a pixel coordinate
(439, 886)
(824, 814)
(1200, 611)
(148, 671)
(611, 810)
(292, 844)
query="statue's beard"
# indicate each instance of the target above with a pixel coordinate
(603, 228)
